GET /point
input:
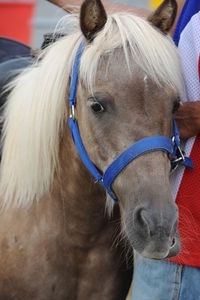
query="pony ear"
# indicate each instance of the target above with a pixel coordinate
(92, 18)
(164, 17)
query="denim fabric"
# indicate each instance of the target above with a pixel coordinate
(162, 280)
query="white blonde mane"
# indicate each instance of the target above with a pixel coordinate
(36, 108)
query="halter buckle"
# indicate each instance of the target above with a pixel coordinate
(178, 159)
(72, 112)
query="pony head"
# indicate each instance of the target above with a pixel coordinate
(129, 83)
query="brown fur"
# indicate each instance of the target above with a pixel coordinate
(164, 16)
(65, 246)
(92, 18)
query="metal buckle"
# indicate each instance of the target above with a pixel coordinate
(72, 112)
(180, 154)
(180, 157)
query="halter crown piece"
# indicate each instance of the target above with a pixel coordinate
(149, 144)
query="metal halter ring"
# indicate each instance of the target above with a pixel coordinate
(72, 112)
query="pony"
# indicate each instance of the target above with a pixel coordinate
(61, 236)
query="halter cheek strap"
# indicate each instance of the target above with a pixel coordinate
(146, 145)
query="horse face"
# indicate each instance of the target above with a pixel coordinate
(120, 111)
(126, 105)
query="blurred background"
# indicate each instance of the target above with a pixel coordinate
(27, 20)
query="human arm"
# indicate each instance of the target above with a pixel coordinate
(73, 6)
(188, 114)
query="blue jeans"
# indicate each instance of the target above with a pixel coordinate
(161, 280)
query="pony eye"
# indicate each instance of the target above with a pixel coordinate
(97, 107)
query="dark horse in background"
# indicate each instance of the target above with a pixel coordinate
(14, 57)
(56, 239)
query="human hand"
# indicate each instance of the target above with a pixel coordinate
(188, 119)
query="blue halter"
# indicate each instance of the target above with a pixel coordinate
(149, 144)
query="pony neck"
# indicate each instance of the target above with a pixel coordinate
(82, 199)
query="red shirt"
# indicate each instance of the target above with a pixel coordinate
(186, 184)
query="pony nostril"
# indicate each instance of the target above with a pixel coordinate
(140, 219)
(173, 242)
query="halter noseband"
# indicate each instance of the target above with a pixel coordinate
(149, 144)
